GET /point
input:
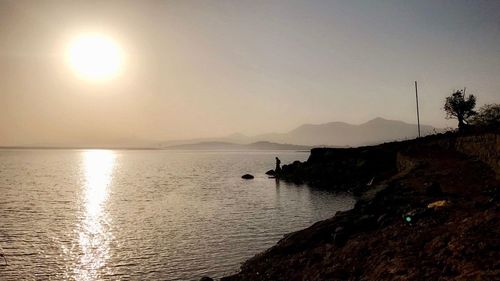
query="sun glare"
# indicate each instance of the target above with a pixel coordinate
(95, 57)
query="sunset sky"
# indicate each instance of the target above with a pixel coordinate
(186, 69)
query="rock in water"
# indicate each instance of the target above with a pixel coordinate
(247, 177)
(270, 173)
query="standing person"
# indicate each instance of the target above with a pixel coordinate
(277, 170)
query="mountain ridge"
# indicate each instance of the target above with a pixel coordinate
(336, 133)
(220, 145)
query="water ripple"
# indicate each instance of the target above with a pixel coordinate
(145, 215)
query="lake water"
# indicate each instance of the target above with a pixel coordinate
(145, 214)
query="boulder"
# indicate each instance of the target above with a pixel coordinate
(247, 177)
(271, 173)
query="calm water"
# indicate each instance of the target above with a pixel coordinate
(150, 215)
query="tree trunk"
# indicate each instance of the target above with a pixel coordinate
(461, 125)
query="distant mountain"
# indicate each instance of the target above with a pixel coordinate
(214, 145)
(374, 131)
(233, 138)
(338, 134)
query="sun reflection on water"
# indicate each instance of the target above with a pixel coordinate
(94, 233)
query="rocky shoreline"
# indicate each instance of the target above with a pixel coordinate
(428, 210)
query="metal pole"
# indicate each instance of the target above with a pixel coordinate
(418, 114)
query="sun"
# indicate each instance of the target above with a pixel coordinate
(95, 57)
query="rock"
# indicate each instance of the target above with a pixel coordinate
(206, 278)
(247, 177)
(270, 173)
(365, 223)
(433, 189)
(381, 221)
(340, 237)
(438, 204)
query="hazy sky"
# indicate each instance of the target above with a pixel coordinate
(211, 68)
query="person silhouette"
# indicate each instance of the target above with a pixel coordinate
(277, 170)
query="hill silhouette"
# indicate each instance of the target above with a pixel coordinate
(217, 145)
(337, 134)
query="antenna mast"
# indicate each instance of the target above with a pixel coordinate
(418, 114)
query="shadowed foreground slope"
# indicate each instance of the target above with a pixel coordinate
(394, 233)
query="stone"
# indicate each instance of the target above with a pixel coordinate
(247, 177)
(270, 173)
(381, 221)
(438, 204)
